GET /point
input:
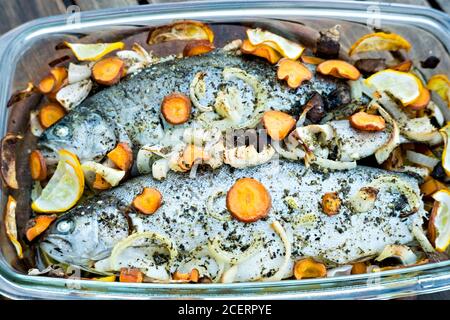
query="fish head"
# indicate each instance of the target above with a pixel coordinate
(87, 233)
(84, 132)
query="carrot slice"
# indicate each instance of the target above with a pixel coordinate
(191, 154)
(47, 84)
(248, 200)
(108, 71)
(198, 47)
(331, 203)
(359, 268)
(367, 122)
(422, 101)
(50, 114)
(293, 72)
(38, 167)
(60, 74)
(131, 275)
(261, 50)
(339, 69)
(278, 124)
(100, 183)
(148, 201)
(312, 60)
(176, 108)
(431, 226)
(122, 156)
(192, 276)
(308, 268)
(431, 186)
(404, 66)
(40, 224)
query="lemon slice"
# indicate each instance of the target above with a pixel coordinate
(286, 47)
(403, 85)
(93, 51)
(379, 41)
(441, 84)
(442, 220)
(445, 131)
(64, 188)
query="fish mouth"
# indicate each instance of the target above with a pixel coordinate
(56, 247)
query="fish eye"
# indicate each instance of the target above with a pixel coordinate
(65, 226)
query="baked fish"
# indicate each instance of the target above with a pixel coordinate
(130, 111)
(193, 229)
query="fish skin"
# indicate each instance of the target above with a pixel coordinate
(335, 240)
(130, 111)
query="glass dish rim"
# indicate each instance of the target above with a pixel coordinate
(41, 26)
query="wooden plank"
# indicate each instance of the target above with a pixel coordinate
(445, 5)
(102, 4)
(14, 13)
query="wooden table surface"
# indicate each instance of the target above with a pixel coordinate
(15, 12)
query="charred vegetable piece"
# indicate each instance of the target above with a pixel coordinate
(131, 275)
(431, 223)
(192, 276)
(21, 94)
(148, 201)
(367, 122)
(404, 66)
(293, 72)
(331, 203)
(100, 183)
(195, 48)
(438, 171)
(341, 96)
(248, 200)
(176, 108)
(422, 101)
(8, 159)
(359, 268)
(327, 47)
(122, 156)
(370, 66)
(278, 124)
(11, 225)
(316, 108)
(108, 71)
(430, 62)
(38, 167)
(308, 268)
(339, 69)
(50, 113)
(431, 186)
(39, 225)
(261, 50)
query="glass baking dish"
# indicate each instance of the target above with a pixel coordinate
(21, 49)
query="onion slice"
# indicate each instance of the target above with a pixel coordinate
(11, 225)
(279, 275)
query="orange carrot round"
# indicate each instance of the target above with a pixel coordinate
(131, 275)
(41, 223)
(367, 122)
(248, 200)
(38, 167)
(50, 114)
(100, 183)
(278, 124)
(308, 268)
(192, 276)
(293, 72)
(148, 201)
(122, 156)
(197, 47)
(359, 268)
(176, 108)
(339, 69)
(108, 71)
(331, 203)
(47, 84)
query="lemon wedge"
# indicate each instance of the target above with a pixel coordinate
(441, 84)
(286, 47)
(379, 41)
(65, 187)
(442, 220)
(93, 51)
(445, 131)
(403, 85)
